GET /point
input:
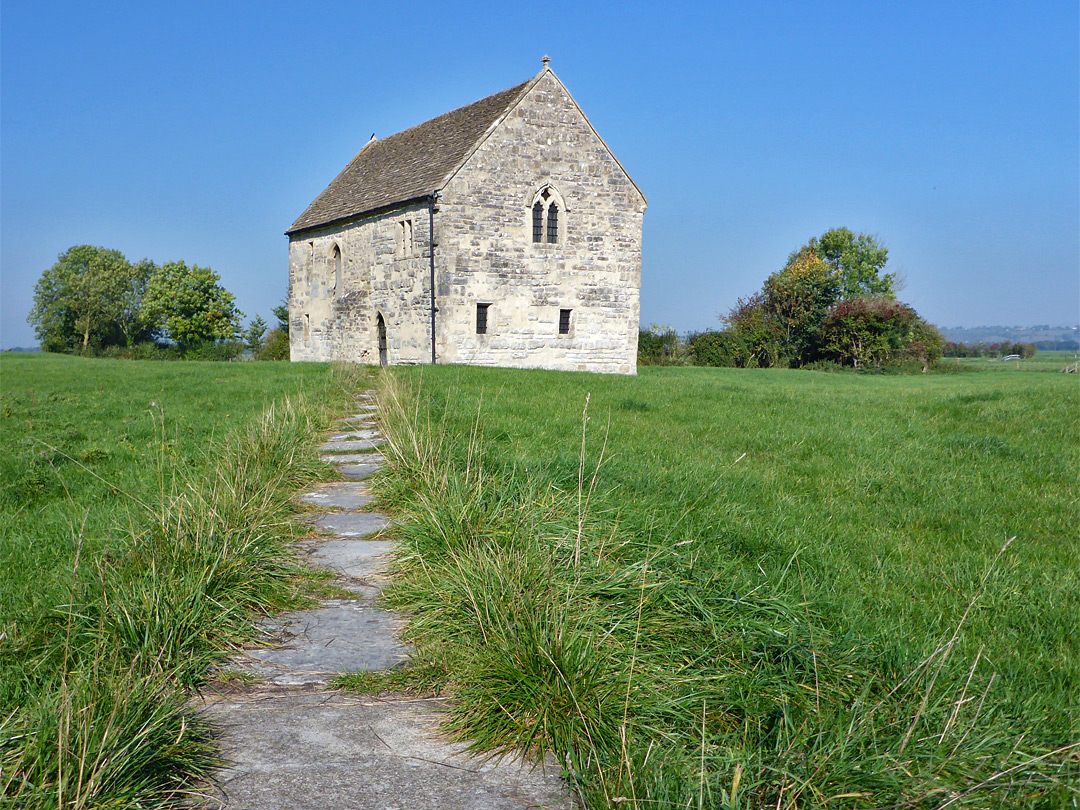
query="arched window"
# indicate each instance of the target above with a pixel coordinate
(545, 215)
(538, 221)
(335, 254)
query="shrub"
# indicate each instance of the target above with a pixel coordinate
(660, 346)
(213, 350)
(275, 347)
(717, 348)
(877, 332)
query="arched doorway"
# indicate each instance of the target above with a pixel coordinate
(380, 327)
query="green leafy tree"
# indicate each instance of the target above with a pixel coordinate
(275, 347)
(757, 331)
(856, 260)
(129, 303)
(281, 312)
(782, 324)
(82, 299)
(797, 300)
(253, 337)
(879, 331)
(190, 305)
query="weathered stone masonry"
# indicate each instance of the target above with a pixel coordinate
(536, 145)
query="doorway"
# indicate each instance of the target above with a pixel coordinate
(380, 326)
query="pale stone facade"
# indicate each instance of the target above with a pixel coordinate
(555, 288)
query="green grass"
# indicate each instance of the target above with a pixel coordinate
(145, 520)
(1042, 361)
(750, 588)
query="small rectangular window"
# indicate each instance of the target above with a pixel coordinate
(564, 321)
(482, 318)
(307, 326)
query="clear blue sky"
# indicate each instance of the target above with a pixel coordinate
(200, 131)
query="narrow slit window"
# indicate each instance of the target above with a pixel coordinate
(337, 270)
(564, 321)
(405, 238)
(553, 224)
(482, 318)
(538, 222)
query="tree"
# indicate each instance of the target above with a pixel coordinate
(879, 331)
(253, 337)
(831, 300)
(83, 298)
(275, 347)
(857, 261)
(281, 312)
(129, 303)
(757, 331)
(797, 299)
(190, 304)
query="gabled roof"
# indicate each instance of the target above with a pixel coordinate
(409, 165)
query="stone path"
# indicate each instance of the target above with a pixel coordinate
(295, 744)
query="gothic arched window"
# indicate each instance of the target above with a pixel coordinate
(538, 221)
(545, 215)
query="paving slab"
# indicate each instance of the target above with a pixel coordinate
(318, 750)
(360, 559)
(358, 472)
(352, 458)
(340, 494)
(364, 593)
(340, 636)
(351, 445)
(359, 419)
(352, 524)
(366, 433)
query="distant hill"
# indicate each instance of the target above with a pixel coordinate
(1044, 337)
(23, 349)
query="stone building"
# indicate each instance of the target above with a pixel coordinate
(536, 255)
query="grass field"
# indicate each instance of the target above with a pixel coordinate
(732, 588)
(751, 588)
(1042, 361)
(144, 512)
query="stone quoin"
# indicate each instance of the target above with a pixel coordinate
(536, 255)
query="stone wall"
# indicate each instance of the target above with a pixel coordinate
(486, 253)
(332, 320)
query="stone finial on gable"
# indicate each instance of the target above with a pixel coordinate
(545, 60)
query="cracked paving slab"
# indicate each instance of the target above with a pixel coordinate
(353, 458)
(351, 445)
(339, 494)
(354, 558)
(317, 750)
(359, 433)
(358, 472)
(340, 636)
(352, 524)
